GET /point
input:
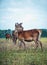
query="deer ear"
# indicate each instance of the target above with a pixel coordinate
(16, 24)
(20, 23)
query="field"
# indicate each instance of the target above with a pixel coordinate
(11, 54)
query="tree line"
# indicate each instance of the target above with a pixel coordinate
(9, 31)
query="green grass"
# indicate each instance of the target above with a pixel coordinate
(44, 40)
(20, 56)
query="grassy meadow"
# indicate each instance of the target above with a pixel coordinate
(11, 54)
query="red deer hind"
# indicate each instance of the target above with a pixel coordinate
(27, 35)
(8, 36)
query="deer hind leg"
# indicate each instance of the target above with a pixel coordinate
(40, 45)
(36, 43)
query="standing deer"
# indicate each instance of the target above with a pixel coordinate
(27, 35)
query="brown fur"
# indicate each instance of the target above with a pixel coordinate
(27, 35)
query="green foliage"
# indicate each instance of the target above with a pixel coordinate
(3, 32)
(44, 32)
